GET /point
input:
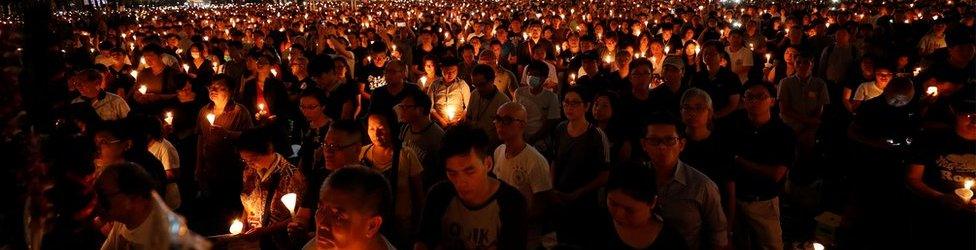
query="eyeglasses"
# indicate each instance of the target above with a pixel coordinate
(217, 88)
(336, 147)
(690, 108)
(656, 141)
(505, 120)
(308, 107)
(107, 141)
(569, 103)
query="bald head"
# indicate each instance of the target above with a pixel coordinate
(510, 122)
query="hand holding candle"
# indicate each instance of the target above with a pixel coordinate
(932, 91)
(450, 111)
(211, 118)
(236, 227)
(966, 192)
(289, 201)
(143, 89)
(186, 68)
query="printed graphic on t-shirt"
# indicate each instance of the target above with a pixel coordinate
(957, 168)
(471, 229)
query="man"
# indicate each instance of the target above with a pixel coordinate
(802, 98)
(837, 61)
(543, 106)
(762, 147)
(721, 84)
(527, 49)
(667, 96)
(136, 215)
(486, 102)
(521, 165)
(449, 94)
(350, 211)
(689, 200)
(344, 98)
(267, 177)
(372, 72)
(341, 148)
(505, 80)
(551, 79)
(396, 88)
(162, 82)
(108, 106)
(422, 134)
(472, 210)
(740, 55)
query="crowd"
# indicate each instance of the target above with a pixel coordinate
(585, 124)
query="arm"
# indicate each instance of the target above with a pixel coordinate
(731, 107)
(713, 217)
(915, 183)
(775, 173)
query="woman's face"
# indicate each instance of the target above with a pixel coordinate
(573, 106)
(790, 55)
(429, 67)
(219, 93)
(379, 132)
(602, 109)
(627, 211)
(311, 108)
(695, 112)
(109, 147)
(690, 49)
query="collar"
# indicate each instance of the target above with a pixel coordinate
(263, 175)
(680, 173)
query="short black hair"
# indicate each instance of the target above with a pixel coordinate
(767, 87)
(662, 118)
(349, 127)
(462, 139)
(321, 64)
(633, 179)
(316, 94)
(130, 179)
(255, 140)
(153, 48)
(484, 70)
(421, 99)
(538, 66)
(449, 61)
(368, 186)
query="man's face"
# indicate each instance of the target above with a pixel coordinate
(89, 89)
(340, 150)
(662, 144)
(153, 60)
(483, 84)
(539, 54)
(468, 173)
(468, 56)
(710, 56)
(340, 222)
(883, 76)
(407, 110)
(627, 211)
(430, 67)
(535, 32)
(508, 125)
(109, 147)
(394, 75)
(111, 203)
(449, 73)
(757, 100)
(804, 67)
(379, 132)
(311, 108)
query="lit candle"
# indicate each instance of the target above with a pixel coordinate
(818, 246)
(206, 38)
(274, 72)
(932, 91)
(572, 79)
(525, 36)
(916, 71)
(966, 192)
(143, 89)
(450, 111)
(608, 58)
(211, 118)
(667, 49)
(186, 67)
(559, 49)
(768, 56)
(752, 46)
(697, 50)
(134, 74)
(289, 201)
(423, 81)
(237, 227)
(261, 109)
(169, 118)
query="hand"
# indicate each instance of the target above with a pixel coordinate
(253, 234)
(953, 201)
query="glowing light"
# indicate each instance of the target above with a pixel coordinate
(169, 118)
(211, 117)
(236, 227)
(143, 89)
(289, 201)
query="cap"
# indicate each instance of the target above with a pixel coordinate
(674, 61)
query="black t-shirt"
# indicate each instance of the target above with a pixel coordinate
(383, 101)
(664, 100)
(499, 223)
(724, 84)
(667, 239)
(770, 144)
(578, 159)
(709, 157)
(878, 120)
(345, 92)
(373, 76)
(949, 160)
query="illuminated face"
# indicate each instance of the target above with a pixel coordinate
(341, 223)
(662, 144)
(695, 112)
(468, 173)
(311, 108)
(574, 107)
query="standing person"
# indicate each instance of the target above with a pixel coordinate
(422, 134)
(471, 210)
(343, 98)
(449, 94)
(396, 88)
(740, 55)
(486, 101)
(505, 80)
(580, 167)
(267, 177)
(162, 82)
(721, 83)
(802, 100)
(350, 211)
(312, 104)
(522, 166)
(135, 214)
(401, 166)
(762, 150)
(219, 169)
(688, 198)
(632, 201)
(109, 106)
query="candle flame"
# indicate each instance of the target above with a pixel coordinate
(289, 201)
(211, 118)
(134, 74)
(237, 227)
(932, 90)
(968, 184)
(143, 89)
(186, 67)
(169, 117)
(450, 111)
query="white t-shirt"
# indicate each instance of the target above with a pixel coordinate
(528, 171)
(111, 107)
(458, 95)
(166, 153)
(539, 107)
(162, 230)
(867, 91)
(741, 58)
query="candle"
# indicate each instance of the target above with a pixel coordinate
(237, 227)
(450, 111)
(559, 49)
(916, 71)
(752, 46)
(169, 118)
(697, 50)
(143, 89)
(966, 192)
(572, 79)
(289, 201)
(211, 118)
(394, 47)
(274, 72)
(423, 81)
(818, 246)
(932, 91)
(186, 68)
(525, 36)
(261, 108)
(768, 56)
(134, 74)
(608, 59)
(667, 49)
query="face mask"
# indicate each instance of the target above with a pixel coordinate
(194, 55)
(898, 101)
(534, 81)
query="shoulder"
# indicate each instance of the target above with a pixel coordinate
(508, 195)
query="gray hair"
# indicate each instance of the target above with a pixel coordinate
(697, 92)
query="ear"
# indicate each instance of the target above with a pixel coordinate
(489, 163)
(373, 226)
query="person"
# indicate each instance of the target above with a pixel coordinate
(666, 97)
(487, 99)
(542, 106)
(471, 210)
(522, 166)
(703, 146)
(632, 202)
(117, 143)
(941, 163)
(637, 102)
(837, 63)
(934, 39)
(802, 101)
(350, 211)
(688, 198)
(396, 88)
(340, 148)
(344, 98)
(741, 56)
(872, 89)
(218, 167)
(162, 82)
(449, 94)
(580, 167)
(109, 106)
(136, 215)
(312, 104)
(422, 134)
(401, 166)
(505, 80)
(762, 149)
(720, 82)
(168, 157)
(268, 176)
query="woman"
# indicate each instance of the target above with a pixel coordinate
(604, 117)
(579, 169)
(782, 69)
(312, 104)
(631, 201)
(703, 149)
(429, 73)
(219, 168)
(200, 70)
(404, 175)
(267, 178)
(872, 89)
(690, 58)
